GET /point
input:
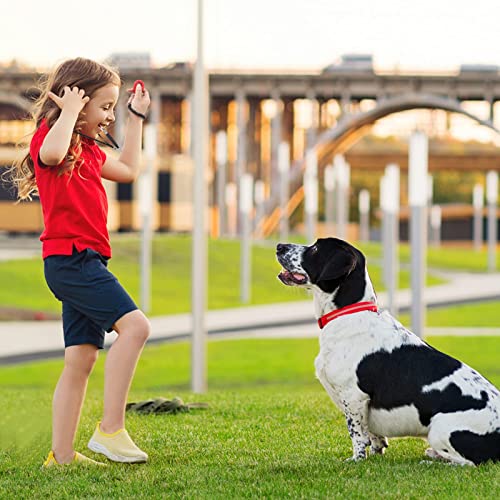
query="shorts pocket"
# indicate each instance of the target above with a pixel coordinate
(93, 265)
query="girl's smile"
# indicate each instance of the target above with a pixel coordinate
(99, 111)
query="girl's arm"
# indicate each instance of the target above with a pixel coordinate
(127, 167)
(56, 143)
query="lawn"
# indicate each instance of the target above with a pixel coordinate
(481, 315)
(171, 276)
(270, 431)
(445, 257)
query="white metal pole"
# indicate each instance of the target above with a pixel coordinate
(430, 196)
(276, 133)
(241, 153)
(364, 215)
(145, 206)
(391, 215)
(341, 182)
(246, 206)
(347, 190)
(221, 161)
(435, 220)
(383, 194)
(259, 197)
(417, 197)
(329, 181)
(230, 198)
(284, 176)
(492, 199)
(311, 194)
(310, 206)
(478, 206)
(199, 245)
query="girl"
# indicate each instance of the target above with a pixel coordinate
(64, 167)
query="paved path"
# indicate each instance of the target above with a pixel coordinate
(23, 340)
(39, 339)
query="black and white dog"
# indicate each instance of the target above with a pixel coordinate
(386, 380)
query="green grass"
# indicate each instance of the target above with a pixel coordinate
(171, 276)
(271, 431)
(450, 258)
(483, 315)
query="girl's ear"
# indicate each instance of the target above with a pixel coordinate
(340, 264)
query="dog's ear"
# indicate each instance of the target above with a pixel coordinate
(340, 264)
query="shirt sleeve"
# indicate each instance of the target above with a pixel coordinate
(37, 141)
(102, 155)
(36, 145)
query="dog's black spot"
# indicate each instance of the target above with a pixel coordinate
(477, 448)
(333, 264)
(395, 379)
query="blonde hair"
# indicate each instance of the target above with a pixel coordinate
(82, 73)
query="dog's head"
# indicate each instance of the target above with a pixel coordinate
(331, 266)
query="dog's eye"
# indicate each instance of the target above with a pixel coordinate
(314, 249)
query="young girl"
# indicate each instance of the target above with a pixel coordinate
(65, 166)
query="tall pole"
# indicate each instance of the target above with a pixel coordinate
(417, 186)
(435, 225)
(284, 176)
(364, 215)
(259, 198)
(310, 206)
(430, 196)
(311, 194)
(199, 246)
(492, 199)
(246, 206)
(241, 152)
(478, 204)
(329, 181)
(221, 161)
(390, 206)
(145, 204)
(341, 185)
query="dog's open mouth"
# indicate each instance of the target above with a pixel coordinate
(289, 278)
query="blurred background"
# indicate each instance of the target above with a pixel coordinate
(315, 108)
(278, 71)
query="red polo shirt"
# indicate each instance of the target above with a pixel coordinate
(75, 208)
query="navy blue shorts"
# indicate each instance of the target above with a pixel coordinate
(92, 298)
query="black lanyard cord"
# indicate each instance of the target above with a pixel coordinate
(112, 144)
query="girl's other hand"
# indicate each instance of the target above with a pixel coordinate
(140, 99)
(72, 100)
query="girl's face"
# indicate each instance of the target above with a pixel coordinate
(99, 111)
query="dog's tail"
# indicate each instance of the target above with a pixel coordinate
(477, 448)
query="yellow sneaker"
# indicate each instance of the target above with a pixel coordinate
(78, 458)
(116, 446)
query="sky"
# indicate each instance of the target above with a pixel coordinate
(433, 35)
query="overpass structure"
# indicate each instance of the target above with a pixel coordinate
(259, 109)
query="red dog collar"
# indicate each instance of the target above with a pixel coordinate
(353, 308)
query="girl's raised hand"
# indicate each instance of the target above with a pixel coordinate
(139, 99)
(72, 100)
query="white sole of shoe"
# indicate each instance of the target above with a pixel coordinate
(99, 448)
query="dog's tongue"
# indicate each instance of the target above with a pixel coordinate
(298, 276)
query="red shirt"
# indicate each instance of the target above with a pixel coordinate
(75, 208)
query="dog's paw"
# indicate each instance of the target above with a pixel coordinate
(431, 453)
(355, 458)
(375, 450)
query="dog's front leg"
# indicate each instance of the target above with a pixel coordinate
(356, 414)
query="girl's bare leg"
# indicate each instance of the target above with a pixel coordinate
(68, 398)
(133, 330)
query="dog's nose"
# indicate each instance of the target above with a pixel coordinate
(281, 248)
